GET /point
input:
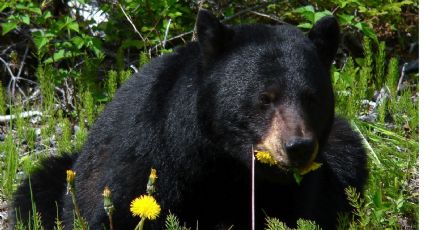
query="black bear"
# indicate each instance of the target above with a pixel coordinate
(196, 115)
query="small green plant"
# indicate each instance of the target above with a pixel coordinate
(47, 86)
(19, 225)
(28, 163)
(48, 130)
(58, 222)
(380, 65)
(11, 165)
(111, 83)
(143, 59)
(34, 221)
(34, 218)
(392, 77)
(307, 225)
(344, 82)
(30, 137)
(124, 76)
(173, 223)
(359, 207)
(365, 73)
(20, 122)
(275, 224)
(3, 107)
(89, 107)
(64, 139)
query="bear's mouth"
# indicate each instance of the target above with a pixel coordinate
(279, 157)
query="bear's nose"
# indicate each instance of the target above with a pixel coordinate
(300, 151)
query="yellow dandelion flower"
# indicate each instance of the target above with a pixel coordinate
(265, 157)
(153, 175)
(70, 176)
(145, 206)
(106, 192)
(108, 205)
(313, 166)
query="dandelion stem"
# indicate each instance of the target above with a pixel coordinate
(140, 224)
(252, 189)
(74, 202)
(111, 225)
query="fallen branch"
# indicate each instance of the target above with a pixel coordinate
(6, 118)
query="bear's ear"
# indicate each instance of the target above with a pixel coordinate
(212, 35)
(325, 35)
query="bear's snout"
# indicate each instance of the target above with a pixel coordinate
(301, 151)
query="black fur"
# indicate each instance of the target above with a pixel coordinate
(194, 115)
(48, 184)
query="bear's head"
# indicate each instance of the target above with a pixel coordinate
(267, 87)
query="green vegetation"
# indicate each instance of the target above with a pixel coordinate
(67, 68)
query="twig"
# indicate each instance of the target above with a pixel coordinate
(6, 118)
(7, 67)
(246, 11)
(69, 92)
(180, 36)
(134, 68)
(27, 80)
(7, 48)
(171, 39)
(166, 33)
(131, 22)
(400, 81)
(21, 91)
(61, 91)
(268, 16)
(34, 95)
(22, 62)
(13, 83)
(200, 4)
(334, 10)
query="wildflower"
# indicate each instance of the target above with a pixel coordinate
(70, 181)
(150, 187)
(153, 176)
(70, 189)
(70, 176)
(313, 166)
(299, 173)
(106, 193)
(265, 158)
(107, 201)
(108, 205)
(145, 206)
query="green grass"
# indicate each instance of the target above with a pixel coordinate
(391, 195)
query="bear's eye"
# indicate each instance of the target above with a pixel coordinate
(309, 98)
(266, 98)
